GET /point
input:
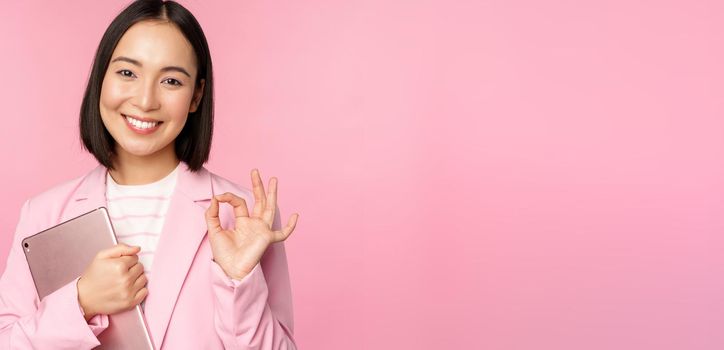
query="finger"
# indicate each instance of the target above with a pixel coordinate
(237, 202)
(135, 271)
(271, 202)
(284, 233)
(118, 250)
(259, 196)
(212, 216)
(128, 260)
(140, 295)
(140, 282)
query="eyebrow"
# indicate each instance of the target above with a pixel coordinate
(164, 69)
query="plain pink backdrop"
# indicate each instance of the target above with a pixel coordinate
(470, 174)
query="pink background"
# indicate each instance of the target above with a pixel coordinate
(470, 174)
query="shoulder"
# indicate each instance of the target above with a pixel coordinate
(44, 208)
(55, 197)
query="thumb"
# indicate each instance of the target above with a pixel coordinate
(119, 250)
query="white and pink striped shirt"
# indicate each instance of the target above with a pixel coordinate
(137, 213)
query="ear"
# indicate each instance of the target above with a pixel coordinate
(198, 94)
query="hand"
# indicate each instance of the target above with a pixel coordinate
(238, 250)
(113, 282)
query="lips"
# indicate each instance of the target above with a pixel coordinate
(141, 125)
(142, 119)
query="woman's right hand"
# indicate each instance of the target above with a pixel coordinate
(113, 282)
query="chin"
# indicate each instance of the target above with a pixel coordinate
(139, 151)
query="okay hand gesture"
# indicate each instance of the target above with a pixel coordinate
(239, 249)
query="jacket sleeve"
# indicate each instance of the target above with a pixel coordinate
(256, 311)
(56, 322)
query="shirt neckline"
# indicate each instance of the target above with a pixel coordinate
(168, 178)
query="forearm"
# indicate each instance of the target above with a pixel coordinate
(242, 316)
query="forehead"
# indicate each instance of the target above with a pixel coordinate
(156, 44)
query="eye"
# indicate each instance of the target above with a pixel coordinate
(123, 72)
(173, 82)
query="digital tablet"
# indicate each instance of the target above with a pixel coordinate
(60, 254)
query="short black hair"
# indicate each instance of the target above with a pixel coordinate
(193, 144)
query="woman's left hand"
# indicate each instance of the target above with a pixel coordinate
(238, 250)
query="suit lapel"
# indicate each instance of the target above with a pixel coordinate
(183, 231)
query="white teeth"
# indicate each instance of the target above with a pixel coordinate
(139, 124)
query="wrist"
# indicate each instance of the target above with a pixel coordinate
(86, 315)
(84, 309)
(235, 275)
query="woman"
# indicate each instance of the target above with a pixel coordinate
(207, 277)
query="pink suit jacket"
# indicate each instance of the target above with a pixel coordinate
(191, 304)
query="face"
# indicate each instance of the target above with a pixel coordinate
(148, 90)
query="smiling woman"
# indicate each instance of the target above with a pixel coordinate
(148, 91)
(208, 276)
(150, 66)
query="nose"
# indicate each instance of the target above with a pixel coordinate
(146, 98)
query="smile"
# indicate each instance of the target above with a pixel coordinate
(141, 127)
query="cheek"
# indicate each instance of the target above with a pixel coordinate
(177, 105)
(112, 94)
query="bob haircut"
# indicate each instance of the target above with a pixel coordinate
(193, 143)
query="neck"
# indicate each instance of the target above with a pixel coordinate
(140, 170)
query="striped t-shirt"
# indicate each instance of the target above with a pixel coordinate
(137, 213)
